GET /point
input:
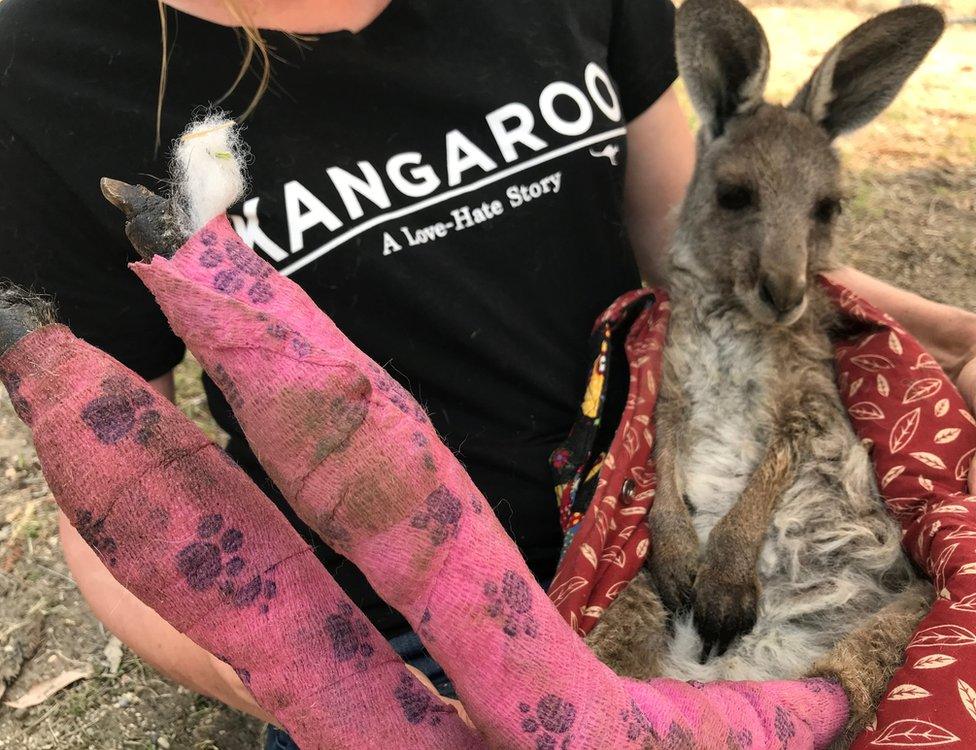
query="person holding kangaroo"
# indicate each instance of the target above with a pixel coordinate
(490, 347)
(772, 552)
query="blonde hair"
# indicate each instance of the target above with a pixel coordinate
(255, 44)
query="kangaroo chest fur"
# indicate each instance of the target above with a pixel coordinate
(831, 554)
(726, 376)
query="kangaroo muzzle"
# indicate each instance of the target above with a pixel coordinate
(783, 293)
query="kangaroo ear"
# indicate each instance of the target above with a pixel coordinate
(723, 58)
(864, 71)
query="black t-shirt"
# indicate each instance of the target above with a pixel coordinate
(446, 185)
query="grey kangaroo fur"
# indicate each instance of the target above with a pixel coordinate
(772, 553)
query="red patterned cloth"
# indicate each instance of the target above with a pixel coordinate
(922, 439)
(609, 541)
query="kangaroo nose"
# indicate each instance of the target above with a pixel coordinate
(782, 295)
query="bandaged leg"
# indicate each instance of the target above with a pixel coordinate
(183, 528)
(357, 458)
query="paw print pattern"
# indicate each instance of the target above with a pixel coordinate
(234, 268)
(741, 740)
(421, 441)
(12, 382)
(441, 517)
(679, 738)
(298, 343)
(212, 560)
(398, 395)
(120, 411)
(785, 728)
(93, 532)
(550, 722)
(350, 636)
(513, 604)
(639, 729)
(819, 685)
(419, 704)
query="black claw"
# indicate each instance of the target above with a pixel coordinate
(150, 222)
(722, 633)
(706, 652)
(724, 641)
(709, 636)
(20, 313)
(131, 200)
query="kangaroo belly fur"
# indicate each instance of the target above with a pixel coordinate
(832, 554)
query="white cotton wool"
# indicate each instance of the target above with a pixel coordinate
(208, 170)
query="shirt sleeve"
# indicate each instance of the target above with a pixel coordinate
(641, 52)
(52, 245)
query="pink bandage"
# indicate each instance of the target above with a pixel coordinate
(357, 458)
(182, 527)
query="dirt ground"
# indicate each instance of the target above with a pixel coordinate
(910, 217)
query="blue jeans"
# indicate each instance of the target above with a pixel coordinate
(412, 651)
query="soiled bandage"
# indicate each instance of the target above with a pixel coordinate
(359, 461)
(183, 528)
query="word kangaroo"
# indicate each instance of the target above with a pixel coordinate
(587, 112)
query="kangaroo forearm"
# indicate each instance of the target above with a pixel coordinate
(744, 527)
(668, 497)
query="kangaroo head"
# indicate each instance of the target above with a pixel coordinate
(759, 213)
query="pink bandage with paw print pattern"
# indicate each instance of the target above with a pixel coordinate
(183, 528)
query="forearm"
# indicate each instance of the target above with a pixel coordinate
(660, 158)
(948, 333)
(150, 637)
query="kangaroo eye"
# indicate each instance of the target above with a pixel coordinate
(735, 197)
(826, 209)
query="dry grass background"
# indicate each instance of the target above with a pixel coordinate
(910, 218)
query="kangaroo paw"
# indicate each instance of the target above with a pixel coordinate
(631, 635)
(725, 608)
(674, 560)
(20, 313)
(150, 222)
